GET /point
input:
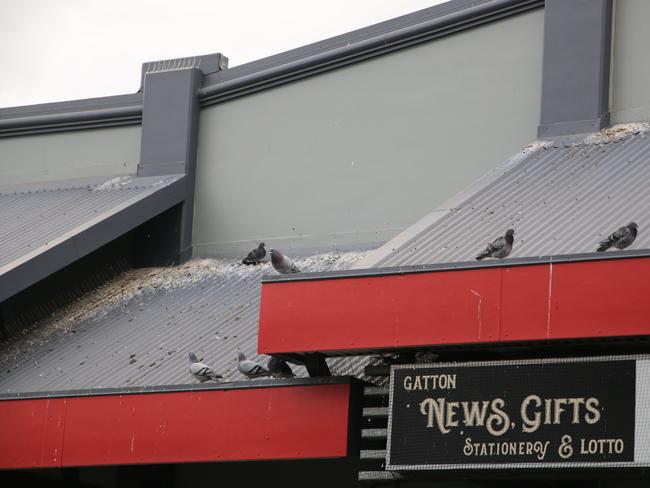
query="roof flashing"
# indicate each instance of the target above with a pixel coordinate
(456, 266)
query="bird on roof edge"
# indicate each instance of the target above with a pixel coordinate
(256, 255)
(279, 368)
(282, 263)
(500, 247)
(200, 371)
(620, 238)
(249, 368)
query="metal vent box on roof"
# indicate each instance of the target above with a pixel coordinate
(550, 413)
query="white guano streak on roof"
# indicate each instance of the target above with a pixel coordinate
(137, 329)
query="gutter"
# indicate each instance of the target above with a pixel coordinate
(77, 114)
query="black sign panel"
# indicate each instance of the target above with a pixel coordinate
(528, 412)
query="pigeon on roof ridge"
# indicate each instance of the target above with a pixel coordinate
(621, 238)
(249, 368)
(500, 247)
(201, 371)
(282, 263)
(279, 368)
(256, 255)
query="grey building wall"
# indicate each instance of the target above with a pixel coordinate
(357, 154)
(630, 98)
(73, 154)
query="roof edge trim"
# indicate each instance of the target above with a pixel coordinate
(186, 388)
(463, 265)
(71, 115)
(384, 37)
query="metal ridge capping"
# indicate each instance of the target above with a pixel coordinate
(430, 268)
(397, 33)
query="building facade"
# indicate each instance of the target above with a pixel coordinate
(382, 161)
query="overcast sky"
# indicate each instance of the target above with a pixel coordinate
(53, 50)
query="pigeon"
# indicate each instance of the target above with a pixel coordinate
(282, 263)
(390, 358)
(250, 368)
(279, 368)
(621, 238)
(499, 248)
(256, 255)
(200, 371)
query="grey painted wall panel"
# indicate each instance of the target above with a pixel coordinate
(631, 62)
(64, 155)
(575, 80)
(357, 154)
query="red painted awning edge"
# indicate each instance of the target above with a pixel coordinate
(204, 425)
(458, 305)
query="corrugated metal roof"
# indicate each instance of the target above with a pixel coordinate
(561, 197)
(137, 329)
(34, 216)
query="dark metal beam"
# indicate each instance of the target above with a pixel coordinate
(169, 121)
(316, 364)
(170, 127)
(226, 385)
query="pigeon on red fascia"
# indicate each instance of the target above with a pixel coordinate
(620, 238)
(256, 255)
(500, 247)
(282, 263)
(200, 371)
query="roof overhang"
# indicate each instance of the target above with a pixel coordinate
(42, 234)
(250, 420)
(545, 299)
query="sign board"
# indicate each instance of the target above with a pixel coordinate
(577, 412)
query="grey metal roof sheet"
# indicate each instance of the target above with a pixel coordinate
(561, 197)
(33, 216)
(38, 217)
(137, 329)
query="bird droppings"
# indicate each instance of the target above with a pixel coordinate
(478, 311)
(103, 321)
(527, 150)
(112, 184)
(617, 132)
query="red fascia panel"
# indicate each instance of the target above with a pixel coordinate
(206, 425)
(31, 433)
(481, 305)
